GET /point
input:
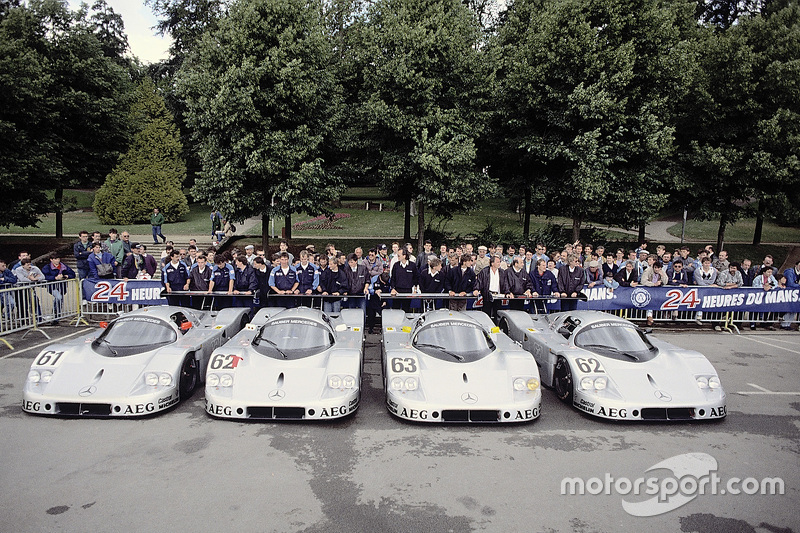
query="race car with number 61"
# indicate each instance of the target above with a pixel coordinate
(141, 363)
(451, 366)
(607, 367)
(290, 364)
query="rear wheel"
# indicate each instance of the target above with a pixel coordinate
(562, 380)
(189, 376)
(504, 325)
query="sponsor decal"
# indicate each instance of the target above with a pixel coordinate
(328, 412)
(527, 414)
(640, 297)
(414, 414)
(303, 322)
(140, 319)
(226, 362)
(28, 405)
(219, 410)
(718, 411)
(48, 358)
(612, 412)
(139, 408)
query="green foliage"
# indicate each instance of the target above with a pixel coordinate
(261, 102)
(62, 101)
(151, 172)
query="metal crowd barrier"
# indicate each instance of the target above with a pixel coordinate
(207, 301)
(30, 305)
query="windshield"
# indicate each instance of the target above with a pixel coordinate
(133, 335)
(450, 340)
(292, 338)
(618, 340)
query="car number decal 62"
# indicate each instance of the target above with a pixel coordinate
(404, 364)
(48, 358)
(228, 362)
(589, 365)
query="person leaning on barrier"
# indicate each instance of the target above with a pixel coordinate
(101, 264)
(516, 284)
(245, 285)
(748, 272)
(200, 275)
(460, 281)
(571, 279)
(358, 280)
(404, 278)
(283, 279)
(7, 279)
(332, 282)
(488, 285)
(677, 275)
(55, 270)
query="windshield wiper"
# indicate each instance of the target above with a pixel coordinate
(109, 345)
(610, 349)
(437, 347)
(260, 338)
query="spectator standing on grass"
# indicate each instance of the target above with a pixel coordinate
(156, 221)
(82, 250)
(216, 223)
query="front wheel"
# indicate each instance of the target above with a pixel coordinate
(189, 376)
(562, 380)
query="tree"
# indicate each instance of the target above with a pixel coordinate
(151, 172)
(62, 102)
(261, 102)
(584, 96)
(421, 104)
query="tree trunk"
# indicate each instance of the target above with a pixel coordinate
(288, 226)
(526, 224)
(759, 223)
(420, 226)
(642, 226)
(723, 224)
(407, 222)
(59, 198)
(265, 233)
(576, 227)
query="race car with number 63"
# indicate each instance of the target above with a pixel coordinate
(450, 366)
(608, 367)
(291, 364)
(141, 363)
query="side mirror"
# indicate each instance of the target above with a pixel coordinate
(104, 324)
(186, 326)
(341, 327)
(648, 331)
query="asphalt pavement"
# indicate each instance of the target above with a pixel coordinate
(184, 471)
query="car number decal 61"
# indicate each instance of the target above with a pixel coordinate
(404, 364)
(589, 365)
(48, 358)
(228, 362)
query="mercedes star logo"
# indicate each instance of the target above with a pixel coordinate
(277, 394)
(468, 397)
(661, 395)
(87, 391)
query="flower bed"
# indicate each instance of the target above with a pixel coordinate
(320, 222)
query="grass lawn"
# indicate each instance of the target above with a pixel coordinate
(741, 231)
(197, 223)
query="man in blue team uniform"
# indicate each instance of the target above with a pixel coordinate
(283, 280)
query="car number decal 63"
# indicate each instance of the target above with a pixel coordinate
(228, 362)
(404, 364)
(589, 365)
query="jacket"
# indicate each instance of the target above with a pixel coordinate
(331, 282)
(357, 281)
(544, 284)
(431, 283)
(50, 273)
(82, 254)
(625, 279)
(516, 283)
(156, 219)
(649, 276)
(246, 280)
(105, 258)
(569, 282)
(460, 281)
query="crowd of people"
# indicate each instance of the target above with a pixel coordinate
(492, 273)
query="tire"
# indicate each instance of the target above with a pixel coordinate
(242, 323)
(504, 326)
(562, 381)
(189, 377)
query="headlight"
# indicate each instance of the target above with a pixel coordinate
(702, 382)
(600, 383)
(533, 384)
(349, 382)
(225, 380)
(587, 383)
(34, 376)
(151, 379)
(334, 382)
(397, 383)
(519, 384)
(46, 376)
(212, 380)
(411, 383)
(713, 382)
(165, 380)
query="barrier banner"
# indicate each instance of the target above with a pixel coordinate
(117, 291)
(692, 299)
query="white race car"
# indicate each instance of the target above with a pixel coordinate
(607, 367)
(141, 363)
(450, 366)
(292, 364)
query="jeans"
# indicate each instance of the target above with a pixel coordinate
(332, 307)
(157, 233)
